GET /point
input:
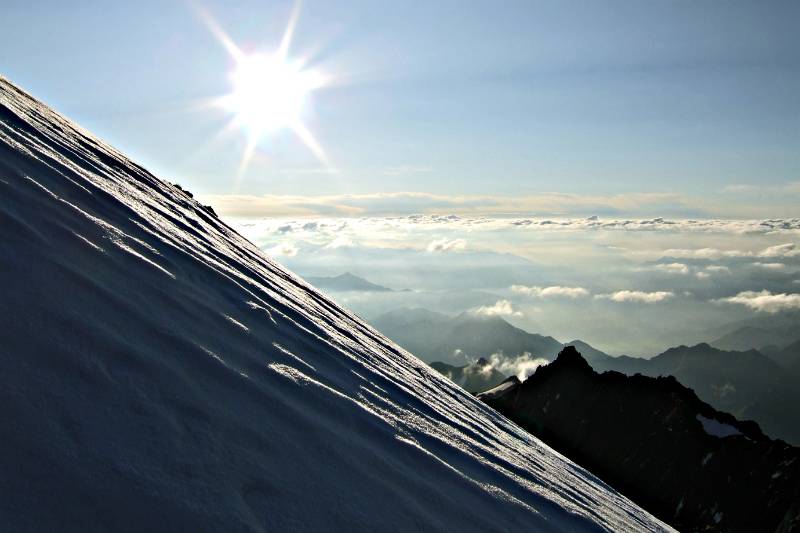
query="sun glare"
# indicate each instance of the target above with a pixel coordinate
(269, 93)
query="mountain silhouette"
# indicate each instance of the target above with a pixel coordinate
(747, 383)
(346, 282)
(654, 440)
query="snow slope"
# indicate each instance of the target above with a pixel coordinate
(159, 373)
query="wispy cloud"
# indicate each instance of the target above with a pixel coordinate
(501, 308)
(765, 301)
(792, 187)
(780, 250)
(446, 245)
(551, 292)
(404, 203)
(521, 366)
(712, 270)
(283, 249)
(637, 296)
(342, 241)
(770, 266)
(672, 268)
(544, 204)
(740, 188)
(701, 253)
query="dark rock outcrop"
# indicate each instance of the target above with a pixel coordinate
(653, 440)
(747, 384)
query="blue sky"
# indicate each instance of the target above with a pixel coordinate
(600, 170)
(697, 101)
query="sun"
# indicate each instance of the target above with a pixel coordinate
(269, 93)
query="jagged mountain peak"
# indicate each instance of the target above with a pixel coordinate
(652, 438)
(570, 356)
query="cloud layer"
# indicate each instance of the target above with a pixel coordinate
(566, 277)
(780, 250)
(765, 301)
(551, 292)
(548, 204)
(637, 296)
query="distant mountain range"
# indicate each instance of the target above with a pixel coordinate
(779, 340)
(454, 340)
(654, 440)
(347, 282)
(773, 331)
(746, 383)
(787, 357)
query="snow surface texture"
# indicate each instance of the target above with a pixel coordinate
(160, 373)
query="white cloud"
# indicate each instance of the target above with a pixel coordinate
(341, 241)
(770, 266)
(521, 366)
(673, 268)
(740, 188)
(781, 250)
(712, 270)
(446, 245)
(702, 253)
(637, 296)
(500, 308)
(765, 301)
(551, 292)
(285, 249)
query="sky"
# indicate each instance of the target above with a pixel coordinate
(623, 172)
(696, 101)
